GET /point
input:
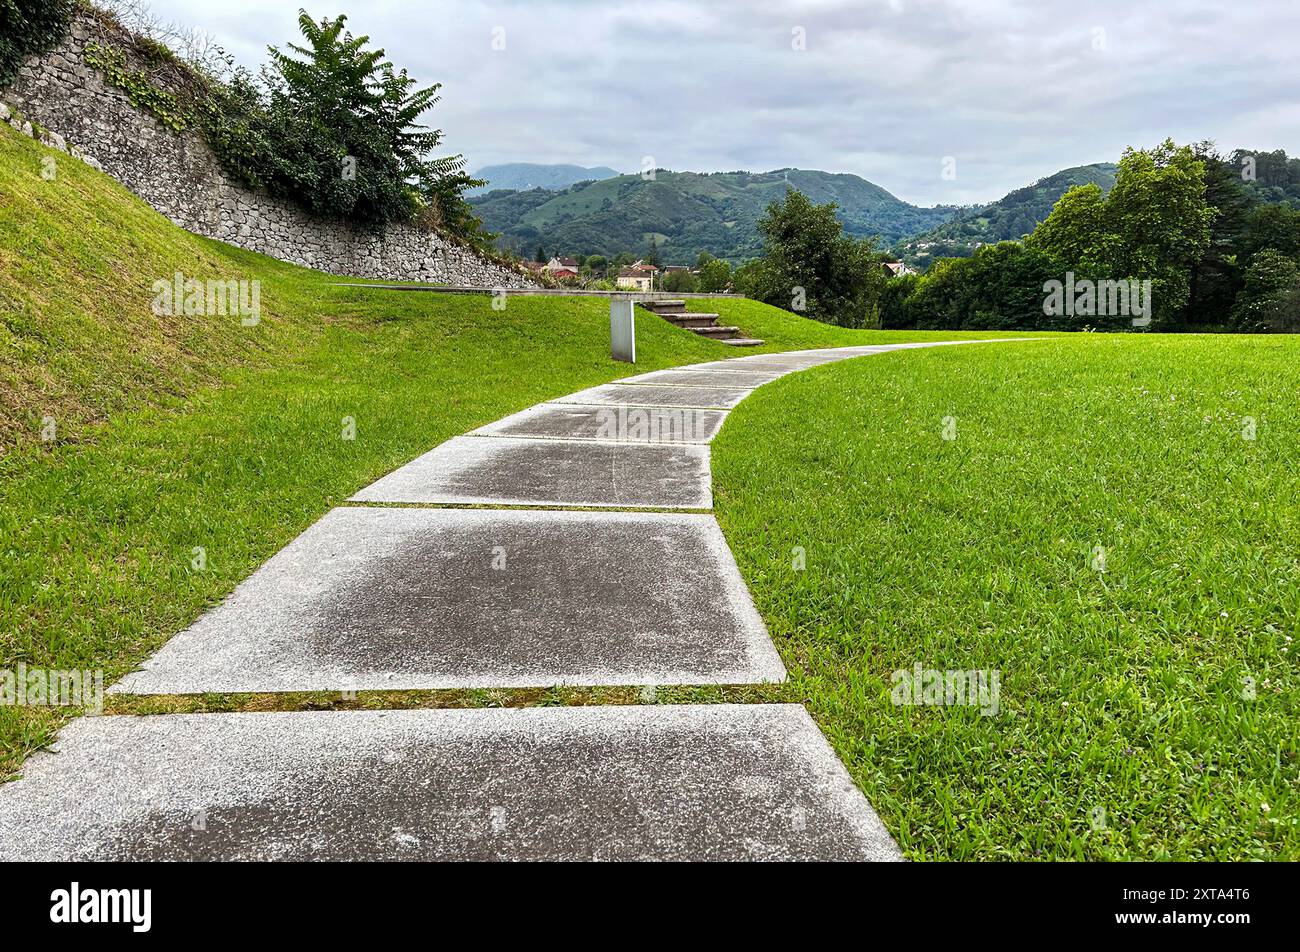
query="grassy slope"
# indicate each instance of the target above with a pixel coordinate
(78, 339)
(1121, 691)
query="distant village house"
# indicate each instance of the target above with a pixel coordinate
(896, 269)
(562, 268)
(638, 277)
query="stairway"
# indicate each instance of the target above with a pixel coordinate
(706, 325)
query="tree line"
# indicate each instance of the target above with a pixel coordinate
(1186, 240)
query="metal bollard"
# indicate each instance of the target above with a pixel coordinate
(622, 329)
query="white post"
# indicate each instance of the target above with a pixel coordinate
(622, 329)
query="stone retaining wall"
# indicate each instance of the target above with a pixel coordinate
(178, 174)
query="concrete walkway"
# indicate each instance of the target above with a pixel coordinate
(377, 597)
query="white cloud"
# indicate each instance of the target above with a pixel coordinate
(1013, 89)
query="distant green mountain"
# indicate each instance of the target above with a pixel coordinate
(1009, 218)
(685, 213)
(522, 176)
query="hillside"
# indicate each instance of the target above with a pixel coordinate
(685, 213)
(1009, 218)
(522, 176)
(1276, 178)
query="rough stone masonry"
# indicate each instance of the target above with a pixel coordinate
(178, 174)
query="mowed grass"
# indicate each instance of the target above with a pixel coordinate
(1147, 711)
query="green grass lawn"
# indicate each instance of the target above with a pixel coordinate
(1147, 711)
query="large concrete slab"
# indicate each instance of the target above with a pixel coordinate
(520, 472)
(729, 379)
(711, 398)
(620, 424)
(392, 598)
(711, 782)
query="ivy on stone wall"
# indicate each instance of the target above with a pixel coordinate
(28, 27)
(144, 95)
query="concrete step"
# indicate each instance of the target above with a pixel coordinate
(743, 341)
(690, 321)
(664, 307)
(378, 598)
(660, 782)
(717, 331)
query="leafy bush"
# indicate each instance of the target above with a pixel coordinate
(333, 126)
(715, 274)
(893, 301)
(682, 282)
(1269, 301)
(28, 27)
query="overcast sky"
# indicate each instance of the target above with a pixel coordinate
(1012, 90)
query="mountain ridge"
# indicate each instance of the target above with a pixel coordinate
(1009, 218)
(683, 213)
(523, 176)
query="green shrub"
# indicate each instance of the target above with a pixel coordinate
(1269, 301)
(28, 27)
(329, 125)
(332, 127)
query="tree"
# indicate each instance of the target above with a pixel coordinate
(893, 302)
(1154, 225)
(541, 255)
(715, 275)
(746, 279)
(1269, 301)
(1215, 280)
(1160, 219)
(811, 266)
(334, 127)
(1275, 227)
(683, 282)
(1075, 235)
